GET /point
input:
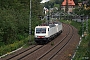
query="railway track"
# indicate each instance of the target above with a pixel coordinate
(58, 47)
(62, 46)
(45, 52)
(69, 49)
(24, 53)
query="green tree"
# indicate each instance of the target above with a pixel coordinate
(13, 20)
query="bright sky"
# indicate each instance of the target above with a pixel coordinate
(43, 1)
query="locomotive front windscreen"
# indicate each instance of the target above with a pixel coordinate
(40, 30)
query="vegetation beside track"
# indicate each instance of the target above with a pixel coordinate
(11, 47)
(83, 51)
(73, 23)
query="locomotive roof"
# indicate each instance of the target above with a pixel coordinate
(57, 23)
(50, 24)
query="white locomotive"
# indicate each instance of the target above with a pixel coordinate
(46, 33)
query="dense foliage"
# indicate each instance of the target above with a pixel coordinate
(53, 3)
(14, 19)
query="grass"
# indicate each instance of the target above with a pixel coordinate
(82, 51)
(73, 23)
(8, 48)
(52, 43)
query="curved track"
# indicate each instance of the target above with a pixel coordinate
(58, 47)
(48, 51)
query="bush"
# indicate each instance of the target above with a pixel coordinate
(8, 48)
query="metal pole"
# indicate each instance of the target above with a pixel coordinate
(30, 22)
(82, 25)
(87, 24)
(82, 28)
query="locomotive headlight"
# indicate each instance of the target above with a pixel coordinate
(40, 36)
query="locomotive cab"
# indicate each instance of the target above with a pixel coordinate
(41, 33)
